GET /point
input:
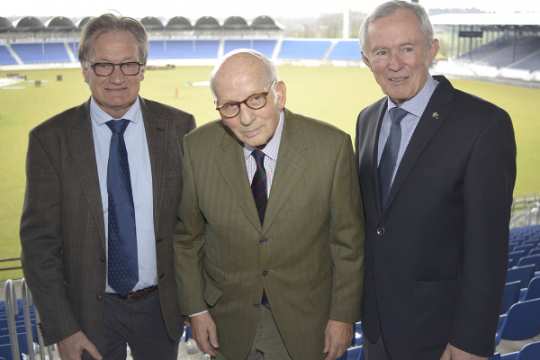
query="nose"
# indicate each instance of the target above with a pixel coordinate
(245, 115)
(117, 76)
(395, 61)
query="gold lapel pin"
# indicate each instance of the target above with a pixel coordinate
(435, 115)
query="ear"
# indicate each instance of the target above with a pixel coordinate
(85, 72)
(366, 60)
(281, 94)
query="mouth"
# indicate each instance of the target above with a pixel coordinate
(398, 80)
(251, 133)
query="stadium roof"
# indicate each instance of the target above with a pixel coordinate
(207, 23)
(60, 23)
(28, 23)
(152, 23)
(5, 24)
(264, 23)
(235, 23)
(179, 23)
(502, 19)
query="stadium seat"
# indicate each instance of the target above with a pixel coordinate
(530, 352)
(353, 353)
(534, 259)
(520, 273)
(515, 255)
(533, 290)
(510, 295)
(522, 321)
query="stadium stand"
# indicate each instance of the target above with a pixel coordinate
(508, 52)
(5, 56)
(265, 47)
(293, 49)
(346, 50)
(184, 49)
(42, 53)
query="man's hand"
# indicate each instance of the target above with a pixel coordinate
(453, 353)
(337, 338)
(72, 347)
(205, 333)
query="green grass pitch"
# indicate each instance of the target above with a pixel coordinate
(332, 94)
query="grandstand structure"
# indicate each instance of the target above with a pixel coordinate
(30, 42)
(491, 45)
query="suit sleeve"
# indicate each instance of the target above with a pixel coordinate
(188, 242)
(42, 245)
(347, 238)
(488, 186)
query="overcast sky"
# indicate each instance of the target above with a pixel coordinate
(224, 8)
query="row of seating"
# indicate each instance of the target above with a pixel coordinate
(287, 49)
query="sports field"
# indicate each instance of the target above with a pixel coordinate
(332, 94)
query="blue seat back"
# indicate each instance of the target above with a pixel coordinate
(510, 295)
(530, 352)
(523, 321)
(520, 273)
(533, 291)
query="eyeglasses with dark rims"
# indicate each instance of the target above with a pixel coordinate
(255, 102)
(130, 68)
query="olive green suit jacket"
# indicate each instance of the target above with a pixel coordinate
(308, 255)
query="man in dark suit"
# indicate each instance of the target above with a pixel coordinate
(437, 171)
(269, 238)
(103, 184)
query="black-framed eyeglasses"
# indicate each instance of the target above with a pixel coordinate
(255, 102)
(130, 68)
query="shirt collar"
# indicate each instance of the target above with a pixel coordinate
(418, 103)
(271, 149)
(100, 117)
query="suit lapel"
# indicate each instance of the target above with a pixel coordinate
(155, 128)
(81, 147)
(374, 129)
(290, 167)
(433, 117)
(232, 166)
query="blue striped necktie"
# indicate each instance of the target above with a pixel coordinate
(122, 270)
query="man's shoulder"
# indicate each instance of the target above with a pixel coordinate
(206, 135)
(372, 111)
(310, 126)
(62, 120)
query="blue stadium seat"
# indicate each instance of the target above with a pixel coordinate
(352, 353)
(515, 255)
(184, 49)
(530, 352)
(533, 259)
(5, 56)
(520, 273)
(265, 47)
(41, 53)
(533, 290)
(522, 321)
(304, 49)
(510, 295)
(347, 50)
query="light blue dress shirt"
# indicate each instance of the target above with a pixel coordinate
(415, 108)
(270, 151)
(141, 184)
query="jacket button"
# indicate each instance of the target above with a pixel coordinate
(265, 272)
(263, 240)
(102, 259)
(380, 231)
(99, 297)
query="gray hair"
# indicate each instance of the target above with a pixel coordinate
(387, 9)
(108, 23)
(270, 68)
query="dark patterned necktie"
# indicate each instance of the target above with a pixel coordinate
(122, 270)
(389, 156)
(258, 184)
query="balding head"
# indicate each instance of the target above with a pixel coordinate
(248, 96)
